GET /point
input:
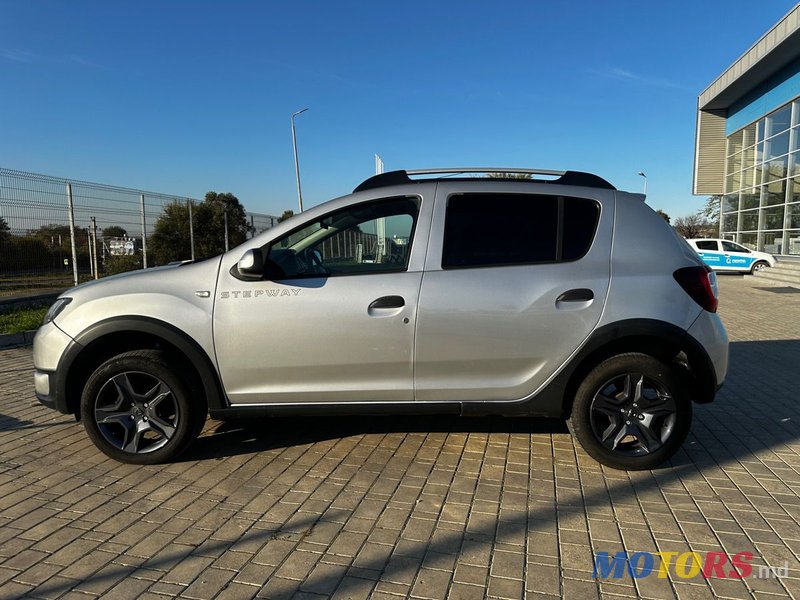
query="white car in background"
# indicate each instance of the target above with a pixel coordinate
(724, 255)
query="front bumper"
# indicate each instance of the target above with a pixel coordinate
(44, 384)
(49, 345)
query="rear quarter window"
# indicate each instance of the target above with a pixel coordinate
(706, 245)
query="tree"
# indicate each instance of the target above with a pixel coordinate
(5, 231)
(57, 239)
(114, 231)
(711, 211)
(209, 224)
(693, 226)
(122, 263)
(25, 254)
(170, 239)
(663, 215)
(287, 214)
(52, 233)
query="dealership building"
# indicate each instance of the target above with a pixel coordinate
(747, 146)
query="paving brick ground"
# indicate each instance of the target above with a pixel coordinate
(410, 507)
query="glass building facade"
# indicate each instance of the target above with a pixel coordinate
(761, 202)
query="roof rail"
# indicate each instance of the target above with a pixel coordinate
(577, 178)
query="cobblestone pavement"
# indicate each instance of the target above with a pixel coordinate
(410, 507)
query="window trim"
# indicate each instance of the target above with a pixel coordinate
(401, 269)
(559, 231)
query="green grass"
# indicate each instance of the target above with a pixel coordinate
(21, 320)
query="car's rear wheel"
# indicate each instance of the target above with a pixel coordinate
(759, 266)
(631, 412)
(137, 408)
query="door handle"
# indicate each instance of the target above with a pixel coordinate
(388, 302)
(576, 295)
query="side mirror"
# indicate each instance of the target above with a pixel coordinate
(251, 265)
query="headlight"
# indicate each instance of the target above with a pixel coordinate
(55, 309)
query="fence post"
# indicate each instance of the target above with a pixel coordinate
(72, 234)
(89, 249)
(252, 228)
(225, 217)
(144, 234)
(191, 227)
(94, 247)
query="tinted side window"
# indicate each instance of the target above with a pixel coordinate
(707, 245)
(508, 229)
(731, 247)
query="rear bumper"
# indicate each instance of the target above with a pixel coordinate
(710, 333)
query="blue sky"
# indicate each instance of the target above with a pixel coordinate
(183, 97)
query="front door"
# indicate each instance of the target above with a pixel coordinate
(333, 318)
(737, 257)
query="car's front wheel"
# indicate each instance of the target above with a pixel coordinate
(631, 412)
(759, 266)
(136, 408)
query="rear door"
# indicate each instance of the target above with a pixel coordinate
(515, 280)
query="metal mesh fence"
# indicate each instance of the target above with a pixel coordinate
(56, 232)
(260, 223)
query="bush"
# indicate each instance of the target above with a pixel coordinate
(122, 264)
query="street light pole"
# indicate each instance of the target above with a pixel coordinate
(296, 163)
(645, 182)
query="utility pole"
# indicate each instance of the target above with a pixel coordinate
(296, 162)
(144, 235)
(72, 234)
(89, 247)
(191, 227)
(225, 217)
(94, 246)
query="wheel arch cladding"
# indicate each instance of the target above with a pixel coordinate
(110, 337)
(659, 339)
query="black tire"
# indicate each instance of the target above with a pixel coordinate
(631, 412)
(759, 266)
(137, 408)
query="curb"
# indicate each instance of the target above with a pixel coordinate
(13, 340)
(30, 301)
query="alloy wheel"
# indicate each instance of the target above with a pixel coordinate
(136, 412)
(632, 415)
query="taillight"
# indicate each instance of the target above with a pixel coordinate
(701, 284)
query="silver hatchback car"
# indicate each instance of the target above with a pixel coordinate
(554, 296)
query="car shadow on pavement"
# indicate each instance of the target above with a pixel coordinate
(229, 438)
(9, 423)
(740, 398)
(754, 421)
